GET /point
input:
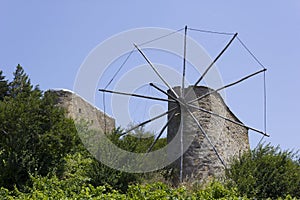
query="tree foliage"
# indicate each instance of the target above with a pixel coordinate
(34, 134)
(266, 172)
(21, 85)
(137, 141)
(3, 86)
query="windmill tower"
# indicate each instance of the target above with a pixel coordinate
(199, 160)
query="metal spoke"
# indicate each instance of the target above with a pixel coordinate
(148, 121)
(215, 60)
(164, 92)
(232, 121)
(226, 86)
(182, 96)
(181, 146)
(184, 63)
(155, 70)
(161, 132)
(136, 95)
(206, 136)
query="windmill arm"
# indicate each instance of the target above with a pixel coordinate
(215, 60)
(164, 92)
(155, 70)
(226, 86)
(136, 95)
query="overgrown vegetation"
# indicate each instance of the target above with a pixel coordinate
(266, 172)
(42, 157)
(35, 135)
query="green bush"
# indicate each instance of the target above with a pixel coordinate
(266, 172)
(52, 188)
(101, 174)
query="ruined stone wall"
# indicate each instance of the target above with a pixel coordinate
(81, 111)
(200, 161)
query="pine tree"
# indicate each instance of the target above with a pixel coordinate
(3, 86)
(21, 83)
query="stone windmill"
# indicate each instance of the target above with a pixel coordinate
(208, 133)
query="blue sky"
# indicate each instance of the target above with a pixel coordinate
(50, 39)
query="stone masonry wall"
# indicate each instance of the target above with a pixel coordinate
(199, 160)
(80, 110)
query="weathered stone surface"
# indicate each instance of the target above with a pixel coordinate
(80, 110)
(200, 160)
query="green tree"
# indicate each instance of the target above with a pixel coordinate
(34, 133)
(3, 86)
(21, 84)
(266, 172)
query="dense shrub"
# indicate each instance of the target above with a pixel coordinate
(53, 188)
(266, 172)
